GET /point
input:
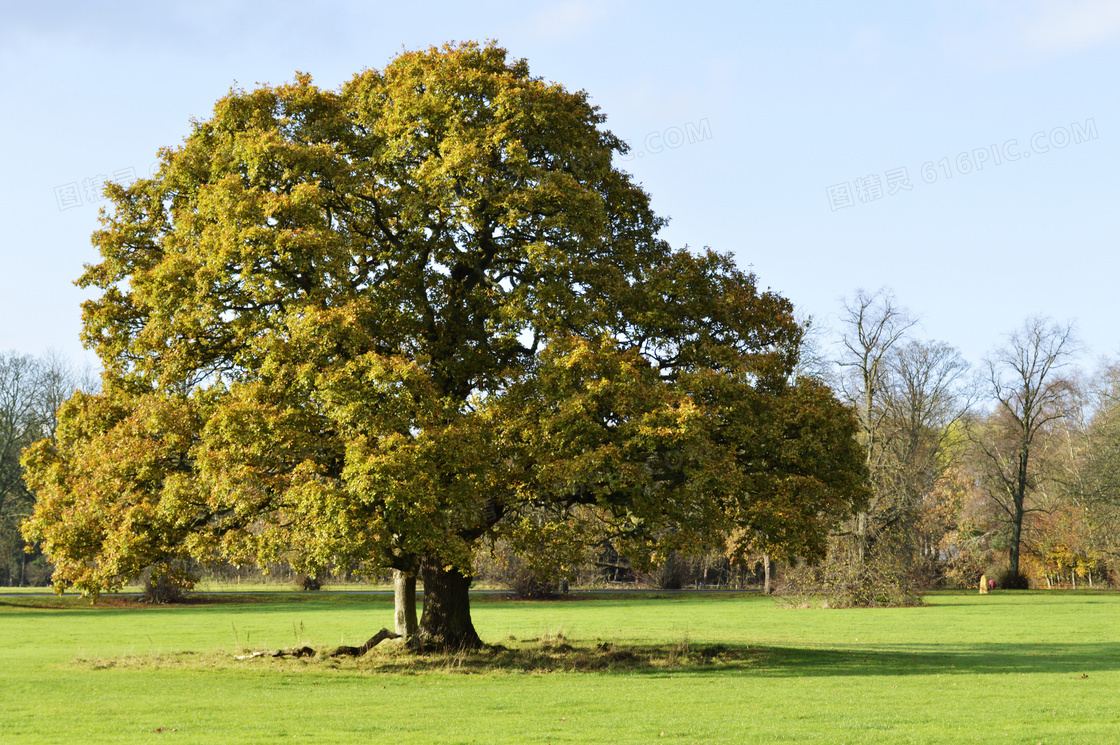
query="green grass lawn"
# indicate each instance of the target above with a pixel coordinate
(1006, 668)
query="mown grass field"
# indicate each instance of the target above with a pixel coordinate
(1007, 668)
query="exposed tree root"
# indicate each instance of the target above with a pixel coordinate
(342, 651)
(292, 652)
(374, 640)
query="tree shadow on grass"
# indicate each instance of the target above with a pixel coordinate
(931, 659)
(71, 606)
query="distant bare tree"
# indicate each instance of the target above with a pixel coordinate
(813, 360)
(1090, 477)
(31, 390)
(1031, 400)
(873, 324)
(930, 393)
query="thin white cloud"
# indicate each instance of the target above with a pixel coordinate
(1011, 34)
(1064, 26)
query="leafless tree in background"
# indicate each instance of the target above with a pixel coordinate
(1088, 478)
(31, 390)
(1031, 400)
(873, 324)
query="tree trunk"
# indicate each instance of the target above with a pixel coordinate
(446, 622)
(861, 532)
(766, 574)
(1016, 536)
(404, 604)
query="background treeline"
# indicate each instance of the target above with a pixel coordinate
(1009, 468)
(1006, 469)
(31, 390)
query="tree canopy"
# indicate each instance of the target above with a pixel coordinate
(370, 327)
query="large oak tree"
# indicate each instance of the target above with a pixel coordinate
(373, 326)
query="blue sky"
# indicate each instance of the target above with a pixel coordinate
(776, 131)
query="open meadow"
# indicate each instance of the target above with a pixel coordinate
(1024, 667)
